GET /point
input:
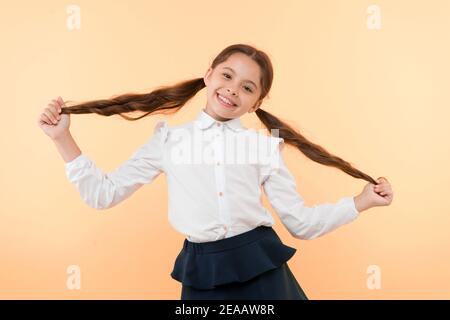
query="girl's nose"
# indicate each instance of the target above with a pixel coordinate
(231, 91)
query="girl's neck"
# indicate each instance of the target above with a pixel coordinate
(215, 116)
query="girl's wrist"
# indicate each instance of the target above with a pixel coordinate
(361, 203)
(62, 136)
(67, 146)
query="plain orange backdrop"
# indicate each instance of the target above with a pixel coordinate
(377, 98)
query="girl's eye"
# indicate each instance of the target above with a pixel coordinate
(246, 88)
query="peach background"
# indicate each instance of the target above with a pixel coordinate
(376, 98)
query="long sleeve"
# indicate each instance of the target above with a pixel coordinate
(302, 222)
(102, 190)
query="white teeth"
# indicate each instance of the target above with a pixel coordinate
(225, 100)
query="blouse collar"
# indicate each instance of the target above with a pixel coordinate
(205, 121)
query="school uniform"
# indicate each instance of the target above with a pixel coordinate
(216, 172)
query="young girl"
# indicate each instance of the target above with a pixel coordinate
(230, 250)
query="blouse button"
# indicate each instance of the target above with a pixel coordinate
(220, 193)
(218, 163)
(218, 124)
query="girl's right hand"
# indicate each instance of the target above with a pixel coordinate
(52, 122)
(372, 195)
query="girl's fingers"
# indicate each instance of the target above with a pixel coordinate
(46, 119)
(42, 119)
(385, 191)
(382, 180)
(56, 105)
(382, 186)
(60, 105)
(54, 110)
(50, 115)
(61, 101)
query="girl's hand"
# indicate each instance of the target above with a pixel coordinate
(375, 195)
(52, 122)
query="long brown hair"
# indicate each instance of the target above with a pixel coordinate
(169, 99)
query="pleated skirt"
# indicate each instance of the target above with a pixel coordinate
(250, 266)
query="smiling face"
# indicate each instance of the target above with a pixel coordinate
(237, 80)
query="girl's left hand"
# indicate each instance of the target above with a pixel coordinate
(375, 195)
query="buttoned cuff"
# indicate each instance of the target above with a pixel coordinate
(350, 204)
(76, 162)
(81, 161)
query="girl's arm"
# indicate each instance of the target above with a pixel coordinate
(301, 221)
(98, 189)
(102, 190)
(67, 146)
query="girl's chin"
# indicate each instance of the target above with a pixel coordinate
(224, 114)
(219, 109)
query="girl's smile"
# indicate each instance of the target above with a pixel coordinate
(224, 101)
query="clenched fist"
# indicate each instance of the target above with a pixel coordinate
(52, 122)
(372, 195)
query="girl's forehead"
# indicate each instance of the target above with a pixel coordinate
(247, 70)
(241, 62)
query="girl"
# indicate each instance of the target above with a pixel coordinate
(230, 250)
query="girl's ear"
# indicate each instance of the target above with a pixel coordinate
(206, 77)
(256, 106)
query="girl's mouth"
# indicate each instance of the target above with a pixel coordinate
(223, 103)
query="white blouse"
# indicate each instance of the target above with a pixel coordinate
(215, 171)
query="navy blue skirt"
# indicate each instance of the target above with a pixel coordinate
(251, 265)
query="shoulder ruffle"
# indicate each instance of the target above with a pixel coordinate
(162, 130)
